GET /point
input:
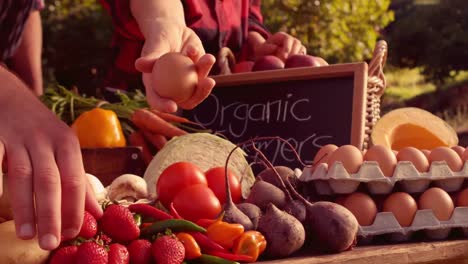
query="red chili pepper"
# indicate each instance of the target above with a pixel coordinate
(149, 211)
(205, 222)
(206, 243)
(144, 225)
(230, 256)
(174, 212)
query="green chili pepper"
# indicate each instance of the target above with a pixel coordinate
(175, 225)
(209, 259)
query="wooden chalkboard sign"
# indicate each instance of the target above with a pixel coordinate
(310, 107)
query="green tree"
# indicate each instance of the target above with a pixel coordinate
(432, 35)
(338, 30)
(76, 49)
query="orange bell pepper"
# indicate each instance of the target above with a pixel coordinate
(224, 233)
(99, 128)
(251, 243)
(192, 249)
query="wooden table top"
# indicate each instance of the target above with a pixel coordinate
(455, 252)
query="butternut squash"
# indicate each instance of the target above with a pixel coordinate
(413, 127)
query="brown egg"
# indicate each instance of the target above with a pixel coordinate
(362, 206)
(439, 201)
(175, 76)
(415, 156)
(426, 152)
(384, 156)
(448, 155)
(324, 153)
(465, 155)
(462, 198)
(349, 155)
(459, 150)
(403, 206)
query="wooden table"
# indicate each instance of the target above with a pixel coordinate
(453, 252)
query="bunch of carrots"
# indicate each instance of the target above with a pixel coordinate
(154, 129)
(144, 127)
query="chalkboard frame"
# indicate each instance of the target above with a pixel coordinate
(357, 70)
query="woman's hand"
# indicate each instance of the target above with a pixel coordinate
(279, 44)
(170, 36)
(47, 184)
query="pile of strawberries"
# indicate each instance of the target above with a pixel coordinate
(115, 239)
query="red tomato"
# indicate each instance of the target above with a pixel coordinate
(175, 178)
(197, 202)
(217, 183)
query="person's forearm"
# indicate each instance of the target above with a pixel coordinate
(26, 62)
(149, 12)
(13, 88)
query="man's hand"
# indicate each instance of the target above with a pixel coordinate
(281, 45)
(46, 180)
(170, 36)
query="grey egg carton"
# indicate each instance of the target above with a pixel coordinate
(336, 180)
(385, 223)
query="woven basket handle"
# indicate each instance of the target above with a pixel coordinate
(226, 61)
(376, 78)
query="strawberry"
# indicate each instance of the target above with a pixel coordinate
(117, 222)
(66, 254)
(140, 251)
(118, 254)
(105, 239)
(91, 253)
(89, 227)
(168, 250)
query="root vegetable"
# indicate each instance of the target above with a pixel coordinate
(283, 232)
(297, 209)
(252, 211)
(332, 225)
(232, 214)
(263, 193)
(268, 62)
(268, 175)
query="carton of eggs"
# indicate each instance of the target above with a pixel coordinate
(342, 170)
(395, 194)
(400, 215)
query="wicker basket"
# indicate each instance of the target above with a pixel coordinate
(375, 83)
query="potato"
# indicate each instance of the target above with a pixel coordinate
(15, 250)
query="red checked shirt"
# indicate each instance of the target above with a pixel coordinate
(218, 23)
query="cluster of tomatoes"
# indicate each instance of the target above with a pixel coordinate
(193, 193)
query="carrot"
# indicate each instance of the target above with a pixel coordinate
(146, 120)
(172, 117)
(157, 140)
(136, 139)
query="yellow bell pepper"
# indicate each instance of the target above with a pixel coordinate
(99, 128)
(251, 243)
(224, 233)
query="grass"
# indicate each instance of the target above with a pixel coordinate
(404, 84)
(457, 117)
